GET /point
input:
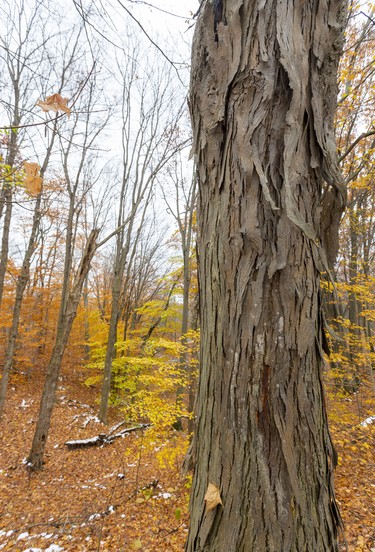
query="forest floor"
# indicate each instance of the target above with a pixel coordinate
(119, 497)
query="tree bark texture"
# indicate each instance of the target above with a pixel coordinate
(262, 99)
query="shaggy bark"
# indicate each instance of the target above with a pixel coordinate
(262, 98)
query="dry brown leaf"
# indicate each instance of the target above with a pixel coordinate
(33, 181)
(212, 497)
(54, 103)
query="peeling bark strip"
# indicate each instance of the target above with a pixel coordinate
(262, 98)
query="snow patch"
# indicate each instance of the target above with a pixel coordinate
(89, 419)
(25, 404)
(368, 421)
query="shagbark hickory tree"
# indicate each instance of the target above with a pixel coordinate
(262, 98)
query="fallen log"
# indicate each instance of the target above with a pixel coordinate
(102, 439)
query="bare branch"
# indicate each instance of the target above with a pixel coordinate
(355, 143)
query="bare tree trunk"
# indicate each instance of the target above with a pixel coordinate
(262, 99)
(86, 322)
(193, 378)
(67, 315)
(20, 288)
(22, 281)
(111, 341)
(353, 274)
(78, 187)
(148, 149)
(8, 193)
(184, 215)
(5, 240)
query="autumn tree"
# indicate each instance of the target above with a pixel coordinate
(22, 46)
(149, 126)
(77, 151)
(263, 94)
(20, 53)
(144, 277)
(352, 307)
(183, 211)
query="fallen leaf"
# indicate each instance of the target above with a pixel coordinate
(212, 497)
(54, 103)
(33, 181)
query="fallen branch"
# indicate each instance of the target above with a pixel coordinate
(102, 439)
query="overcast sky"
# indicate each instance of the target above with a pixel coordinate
(163, 16)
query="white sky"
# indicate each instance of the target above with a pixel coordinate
(169, 30)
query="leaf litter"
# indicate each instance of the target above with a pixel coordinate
(119, 498)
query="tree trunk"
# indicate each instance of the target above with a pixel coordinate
(193, 379)
(8, 191)
(111, 342)
(184, 360)
(353, 275)
(65, 323)
(86, 321)
(22, 282)
(20, 288)
(5, 239)
(262, 99)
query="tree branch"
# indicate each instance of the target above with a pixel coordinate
(356, 141)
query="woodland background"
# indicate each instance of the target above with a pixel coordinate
(94, 145)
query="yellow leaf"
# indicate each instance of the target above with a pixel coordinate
(54, 103)
(361, 544)
(212, 497)
(137, 545)
(33, 181)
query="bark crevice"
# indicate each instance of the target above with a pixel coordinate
(262, 99)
